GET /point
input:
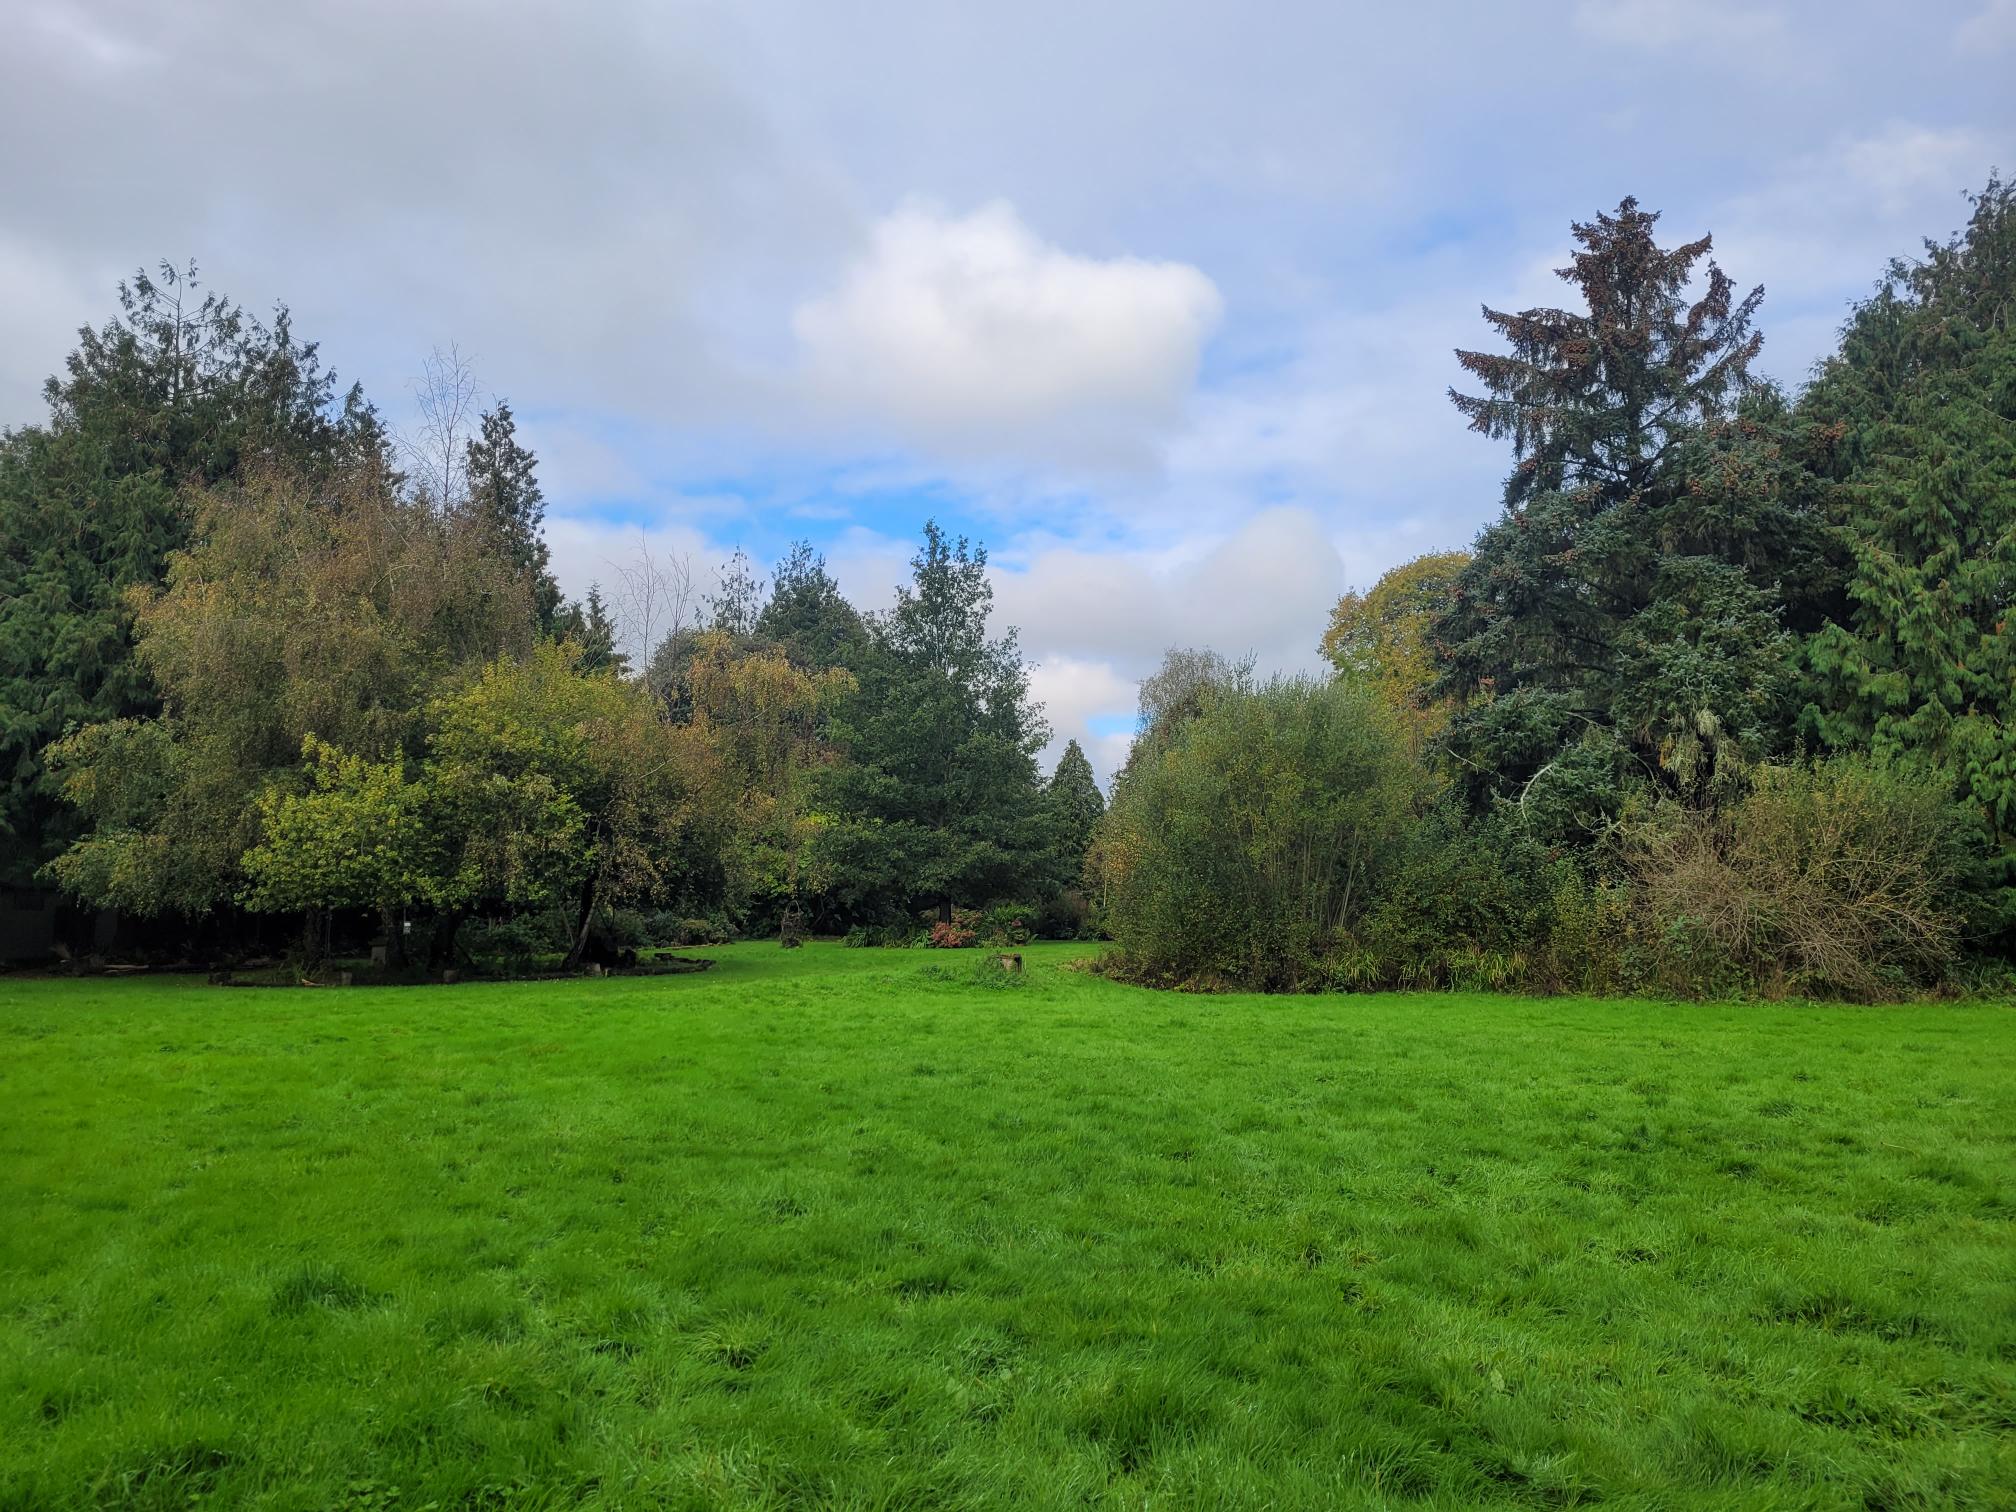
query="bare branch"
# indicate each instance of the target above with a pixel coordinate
(448, 397)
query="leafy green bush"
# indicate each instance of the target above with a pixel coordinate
(672, 929)
(1067, 914)
(516, 944)
(884, 936)
(669, 927)
(1008, 924)
(622, 928)
(1244, 852)
(1485, 904)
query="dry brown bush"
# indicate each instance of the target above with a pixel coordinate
(1835, 880)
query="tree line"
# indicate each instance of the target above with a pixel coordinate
(261, 658)
(1720, 701)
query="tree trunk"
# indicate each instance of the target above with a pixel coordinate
(314, 934)
(441, 950)
(395, 938)
(580, 946)
(944, 910)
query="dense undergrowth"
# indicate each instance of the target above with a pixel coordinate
(1286, 838)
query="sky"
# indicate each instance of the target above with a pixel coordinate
(1157, 300)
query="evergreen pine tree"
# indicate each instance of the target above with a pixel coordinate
(736, 604)
(504, 495)
(938, 802)
(174, 391)
(1605, 623)
(808, 616)
(590, 625)
(1075, 807)
(1914, 426)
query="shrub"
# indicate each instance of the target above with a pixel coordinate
(1477, 904)
(1841, 879)
(514, 944)
(669, 928)
(960, 932)
(885, 936)
(623, 928)
(1007, 924)
(1244, 850)
(1067, 915)
(517, 944)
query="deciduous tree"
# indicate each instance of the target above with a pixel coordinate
(1383, 638)
(180, 389)
(305, 606)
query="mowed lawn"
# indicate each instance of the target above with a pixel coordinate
(833, 1228)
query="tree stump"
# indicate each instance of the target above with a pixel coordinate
(1012, 962)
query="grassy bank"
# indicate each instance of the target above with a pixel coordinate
(848, 1228)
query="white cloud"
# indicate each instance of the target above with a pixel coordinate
(1074, 691)
(665, 234)
(1266, 587)
(1819, 232)
(971, 332)
(1096, 621)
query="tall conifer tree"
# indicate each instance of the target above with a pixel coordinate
(504, 494)
(1597, 630)
(939, 801)
(1914, 427)
(180, 389)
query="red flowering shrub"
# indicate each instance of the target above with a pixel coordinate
(961, 933)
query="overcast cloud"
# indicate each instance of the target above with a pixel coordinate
(1155, 298)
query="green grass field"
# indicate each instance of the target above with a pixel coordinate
(851, 1229)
